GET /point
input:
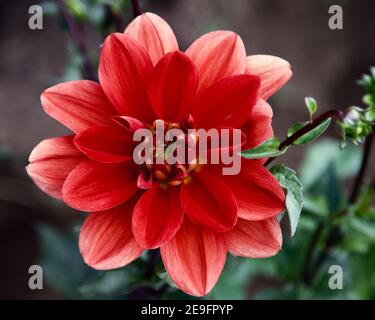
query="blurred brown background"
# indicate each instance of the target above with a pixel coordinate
(326, 65)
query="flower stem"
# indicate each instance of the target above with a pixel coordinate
(361, 175)
(77, 37)
(136, 8)
(306, 129)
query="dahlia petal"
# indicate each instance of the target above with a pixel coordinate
(173, 87)
(209, 202)
(129, 123)
(78, 105)
(107, 144)
(274, 72)
(255, 239)
(154, 33)
(93, 186)
(258, 128)
(258, 194)
(51, 162)
(227, 103)
(194, 258)
(106, 240)
(124, 71)
(217, 55)
(157, 216)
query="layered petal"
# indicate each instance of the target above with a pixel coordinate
(106, 240)
(78, 105)
(124, 71)
(258, 128)
(217, 55)
(257, 192)
(209, 202)
(274, 72)
(255, 239)
(157, 216)
(227, 103)
(173, 87)
(154, 33)
(129, 123)
(51, 162)
(194, 258)
(93, 186)
(107, 144)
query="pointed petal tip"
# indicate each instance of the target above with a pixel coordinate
(217, 55)
(173, 87)
(124, 70)
(274, 72)
(154, 33)
(67, 101)
(195, 258)
(255, 239)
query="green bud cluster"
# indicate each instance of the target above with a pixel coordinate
(358, 122)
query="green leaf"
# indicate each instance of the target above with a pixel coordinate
(268, 149)
(368, 99)
(362, 207)
(310, 136)
(370, 115)
(311, 105)
(360, 233)
(296, 127)
(315, 204)
(356, 242)
(294, 197)
(363, 226)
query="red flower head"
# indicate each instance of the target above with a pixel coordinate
(192, 213)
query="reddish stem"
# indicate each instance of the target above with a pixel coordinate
(361, 175)
(306, 129)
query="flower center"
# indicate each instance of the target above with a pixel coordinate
(172, 158)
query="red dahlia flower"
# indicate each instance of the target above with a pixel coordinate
(193, 214)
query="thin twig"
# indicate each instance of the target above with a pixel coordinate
(136, 8)
(306, 129)
(115, 17)
(305, 273)
(78, 39)
(361, 175)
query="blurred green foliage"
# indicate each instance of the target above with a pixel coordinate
(106, 16)
(91, 11)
